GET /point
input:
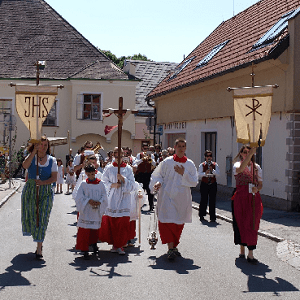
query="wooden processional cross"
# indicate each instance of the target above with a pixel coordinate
(119, 113)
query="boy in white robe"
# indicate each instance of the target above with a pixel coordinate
(174, 178)
(91, 202)
(90, 158)
(116, 222)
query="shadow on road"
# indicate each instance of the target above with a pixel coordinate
(258, 282)
(210, 224)
(104, 263)
(181, 265)
(20, 263)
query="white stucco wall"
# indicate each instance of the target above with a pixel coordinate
(274, 152)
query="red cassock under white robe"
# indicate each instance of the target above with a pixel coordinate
(174, 202)
(89, 220)
(115, 229)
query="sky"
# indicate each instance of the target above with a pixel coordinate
(162, 30)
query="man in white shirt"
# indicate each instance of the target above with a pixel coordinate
(208, 170)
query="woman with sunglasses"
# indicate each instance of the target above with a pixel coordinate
(245, 233)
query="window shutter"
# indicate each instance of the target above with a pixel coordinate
(79, 107)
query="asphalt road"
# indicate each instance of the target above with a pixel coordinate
(209, 268)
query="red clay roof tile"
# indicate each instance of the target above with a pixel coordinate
(243, 31)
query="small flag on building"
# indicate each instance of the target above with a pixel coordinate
(108, 129)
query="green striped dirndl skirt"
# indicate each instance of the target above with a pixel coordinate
(28, 211)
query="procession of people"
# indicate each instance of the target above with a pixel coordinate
(110, 193)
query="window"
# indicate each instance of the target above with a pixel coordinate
(259, 156)
(211, 54)
(89, 107)
(211, 143)
(5, 108)
(275, 31)
(179, 69)
(51, 119)
(5, 114)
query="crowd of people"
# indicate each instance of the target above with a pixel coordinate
(110, 191)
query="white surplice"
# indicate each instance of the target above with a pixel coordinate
(174, 201)
(119, 199)
(82, 177)
(90, 217)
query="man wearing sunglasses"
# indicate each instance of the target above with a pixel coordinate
(207, 172)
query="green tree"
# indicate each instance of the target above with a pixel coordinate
(120, 61)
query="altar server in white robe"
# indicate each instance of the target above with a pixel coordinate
(90, 157)
(91, 203)
(115, 228)
(173, 179)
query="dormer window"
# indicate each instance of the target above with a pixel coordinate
(203, 62)
(276, 30)
(180, 68)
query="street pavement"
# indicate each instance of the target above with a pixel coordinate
(279, 226)
(209, 268)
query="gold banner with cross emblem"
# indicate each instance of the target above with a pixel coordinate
(252, 110)
(33, 104)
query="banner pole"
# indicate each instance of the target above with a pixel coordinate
(37, 157)
(253, 158)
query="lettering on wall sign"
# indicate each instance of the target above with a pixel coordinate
(175, 125)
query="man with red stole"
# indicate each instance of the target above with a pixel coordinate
(174, 177)
(115, 227)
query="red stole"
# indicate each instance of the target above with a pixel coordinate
(182, 159)
(96, 181)
(122, 165)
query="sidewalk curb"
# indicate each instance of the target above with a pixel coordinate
(260, 232)
(287, 251)
(10, 194)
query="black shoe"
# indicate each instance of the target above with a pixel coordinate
(95, 248)
(176, 252)
(202, 219)
(171, 255)
(213, 221)
(252, 261)
(86, 255)
(242, 256)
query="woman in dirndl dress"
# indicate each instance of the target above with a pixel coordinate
(245, 225)
(47, 172)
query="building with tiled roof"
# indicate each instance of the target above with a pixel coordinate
(193, 101)
(33, 31)
(150, 74)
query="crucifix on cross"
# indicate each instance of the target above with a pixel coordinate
(120, 114)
